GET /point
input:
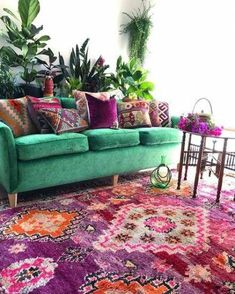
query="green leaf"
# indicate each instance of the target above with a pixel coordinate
(35, 30)
(130, 81)
(28, 10)
(149, 86)
(11, 13)
(137, 75)
(24, 50)
(44, 38)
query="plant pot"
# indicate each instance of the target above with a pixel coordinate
(32, 90)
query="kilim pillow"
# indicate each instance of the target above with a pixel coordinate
(35, 104)
(154, 113)
(64, 120)
(133, 114)
(163, 112)
(81, 101)
(14, 113)
(102, 114)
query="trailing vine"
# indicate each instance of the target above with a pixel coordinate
(138, 28)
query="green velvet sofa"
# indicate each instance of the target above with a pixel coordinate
(45, 160)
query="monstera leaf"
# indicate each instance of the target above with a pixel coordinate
(28, 10)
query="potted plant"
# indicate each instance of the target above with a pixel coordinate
(82, 74)
(25, 42)
(131, 79)
(51, 75)
(138, 27)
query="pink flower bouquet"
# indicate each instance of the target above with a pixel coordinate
(196, 124)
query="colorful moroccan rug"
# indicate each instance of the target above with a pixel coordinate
(128, 239)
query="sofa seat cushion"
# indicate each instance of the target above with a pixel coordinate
(102, 139)
(46, 145)
(155, 136)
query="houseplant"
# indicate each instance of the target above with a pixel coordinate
(131, 79)
(25, 44)
(138, 27)
(82, 73)
(8, 87)
(51, 73)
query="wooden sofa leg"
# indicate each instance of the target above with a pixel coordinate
(13, 200)
(115, 180)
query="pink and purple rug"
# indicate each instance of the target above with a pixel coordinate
(128, 239)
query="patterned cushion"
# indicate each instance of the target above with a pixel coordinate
(102, 114)
(163, 112)
(64, 120)
(35, 104)
(14, 113)
(133, 114)
(153, 113)
(81, 101)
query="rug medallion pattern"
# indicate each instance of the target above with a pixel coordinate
(129, 239)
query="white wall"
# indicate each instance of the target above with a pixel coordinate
(191, 49)
(193, 54)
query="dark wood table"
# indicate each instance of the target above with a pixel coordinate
(200, 158)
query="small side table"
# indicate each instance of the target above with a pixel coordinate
(200, 158)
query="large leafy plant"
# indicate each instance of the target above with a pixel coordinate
(23, 38)
(82, 73)
(138, 27)
(131, 79)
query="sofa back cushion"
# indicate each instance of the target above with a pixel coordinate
(67, 102)
(133, 114)
(14, 113)
(34, 106)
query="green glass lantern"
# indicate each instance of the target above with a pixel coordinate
(161, 176)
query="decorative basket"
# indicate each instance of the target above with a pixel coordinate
(203, 116)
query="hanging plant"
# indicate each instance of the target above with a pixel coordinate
(138, 28)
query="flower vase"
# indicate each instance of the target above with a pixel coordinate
(48, 87)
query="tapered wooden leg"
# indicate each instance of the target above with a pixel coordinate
(13, 200)
(115, 180)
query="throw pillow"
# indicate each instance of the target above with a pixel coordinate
(63, 120)
(35, 104)
(81, 101)
(153, 113)
(14, 113)
(133, 114)
(163, 112)
(102, 114)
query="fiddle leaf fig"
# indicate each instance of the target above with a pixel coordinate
(28, 10)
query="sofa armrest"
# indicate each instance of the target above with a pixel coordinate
(174, 121)
(8, 159)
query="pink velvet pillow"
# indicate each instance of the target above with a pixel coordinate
(102, 114)
(81, 101)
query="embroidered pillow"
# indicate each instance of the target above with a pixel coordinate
(102, 114)
(63, 120)
(163, 112)
(14, 113)
(133, 114)
(154, 113)
(35, 104)
(81, 101)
